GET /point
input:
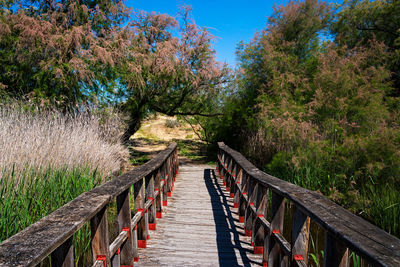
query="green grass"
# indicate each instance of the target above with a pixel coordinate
(27, 197)
(192, 149)
(381, 205)
(147, 135)
(139, 159)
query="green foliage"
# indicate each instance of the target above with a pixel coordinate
(29, 196)
(360, 21)
(138, 159)
(192, 149)
(320, 113)
(172, 123)
(60, 51)
(173, 70)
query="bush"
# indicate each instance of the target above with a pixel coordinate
(172, 123)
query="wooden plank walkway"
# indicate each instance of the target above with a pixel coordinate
(200, 227)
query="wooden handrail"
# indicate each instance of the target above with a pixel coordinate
(152, 181)
(343, 230)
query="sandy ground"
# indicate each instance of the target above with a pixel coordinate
(154, 135)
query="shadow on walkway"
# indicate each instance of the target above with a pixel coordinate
(228, 234)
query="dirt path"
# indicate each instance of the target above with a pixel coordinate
(158, 132)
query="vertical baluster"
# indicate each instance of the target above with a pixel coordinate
(124, 224)
(238, 182)
(258, 229)
(164, 189)
(242, 201)
(63, 256)
(277, 217)
(249, 216)
(150, 196)
(116, 259)
(158, 201)
(232, 185)
(224, 171)
(99, 234)
(135, 243)
(300, 236)
(139, 205)
(171, 173)
(229, 175)
(336, 253)
(168, 177)
(176, 162)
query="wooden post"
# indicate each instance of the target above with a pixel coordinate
(223, 173)
(176, 162)
(233, 182)
(300, 236)
(63, 256)
(124, 224)
(229, 176)
(99, 233)
(336, 253)
(135, 244)
(150, 196)
(277, 217)
(164, 189)
(242, 201)
(258, 229)
(238, 184)
(158, 201)
(249, 216)
(116, 259)
(139, 206)
(228, 182)
(168, 177)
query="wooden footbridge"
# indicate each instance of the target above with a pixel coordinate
(231, 214)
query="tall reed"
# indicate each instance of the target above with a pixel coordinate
(48, 158)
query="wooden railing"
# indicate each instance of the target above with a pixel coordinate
(52, 235)
(250, 187)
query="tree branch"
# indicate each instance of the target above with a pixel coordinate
(375, 28)
(194, 129)
(197, 114)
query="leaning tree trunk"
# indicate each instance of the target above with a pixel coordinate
(133, 126)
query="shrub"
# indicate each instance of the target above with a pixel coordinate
(172, 123)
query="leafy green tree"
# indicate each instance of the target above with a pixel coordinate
(360, 21)
(174, 74)
(72, 51)
(62, 51)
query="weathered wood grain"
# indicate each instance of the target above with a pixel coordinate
(277, 216)
(373, 244)
(124, 225)
(198, 227)
(300, 236)
(63, 256)
(118, 241)
(99, 236)
(336, 254)
(33, 244)
(30, 246)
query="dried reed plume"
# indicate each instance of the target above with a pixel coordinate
(42, 139)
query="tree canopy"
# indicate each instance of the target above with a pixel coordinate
(67, 52)
(315, 100)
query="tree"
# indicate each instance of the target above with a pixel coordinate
(360, 21)
(174, 74)
(72, 51)
(61, 51)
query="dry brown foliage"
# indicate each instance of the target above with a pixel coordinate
(42, 139)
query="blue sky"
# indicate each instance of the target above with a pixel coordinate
(230, 21)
